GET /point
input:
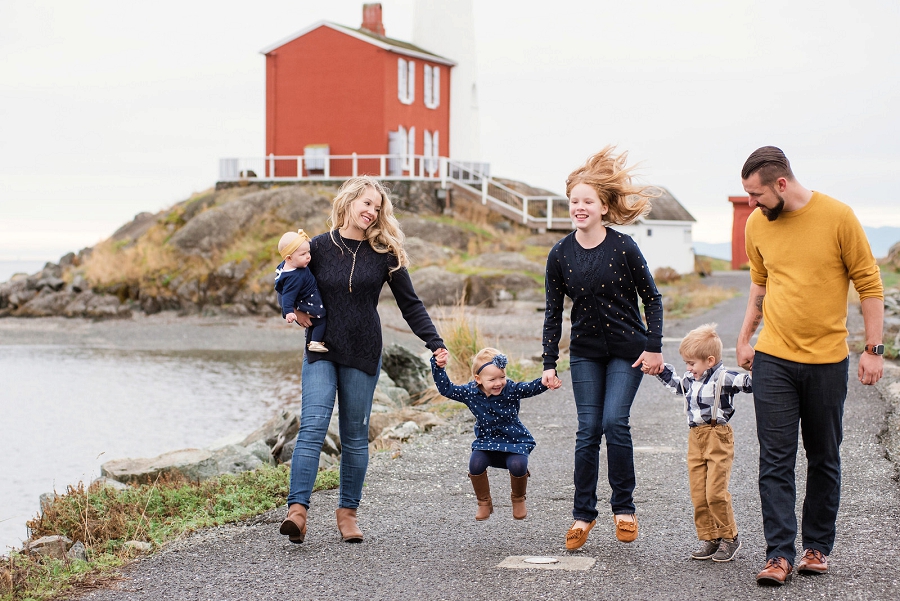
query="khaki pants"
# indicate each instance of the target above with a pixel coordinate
(710, 455)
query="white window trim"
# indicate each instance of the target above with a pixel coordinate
(432, 86)
(406, 81)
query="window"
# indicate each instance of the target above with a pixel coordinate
(397, 151)
(406, 81)
(431, 152)
(432, 86)
(649, 232)
(687, 236)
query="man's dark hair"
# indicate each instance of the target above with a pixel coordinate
(770, 163)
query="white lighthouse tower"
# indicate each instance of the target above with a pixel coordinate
(448, 29)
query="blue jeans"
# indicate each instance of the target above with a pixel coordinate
(604, 391)
(788, 395)
(354, 388)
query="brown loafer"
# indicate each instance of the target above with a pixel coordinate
(576, 537)
(294, 525)
(776, 572)
(626, 531)
(812, 562)
(346, 521)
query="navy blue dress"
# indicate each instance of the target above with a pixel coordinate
(497, 425)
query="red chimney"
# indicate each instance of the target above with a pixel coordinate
(372, 18)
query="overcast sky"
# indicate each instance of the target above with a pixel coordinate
(110, 108)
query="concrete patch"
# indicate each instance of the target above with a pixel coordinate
(563, 562)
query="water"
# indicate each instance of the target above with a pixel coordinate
(64, 410)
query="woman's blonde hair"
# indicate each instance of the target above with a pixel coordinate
(384, 235)
(702, 342)
(483, 356)
(607, 175)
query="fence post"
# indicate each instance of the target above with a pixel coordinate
(299, 167)
(525, 210)
(327, 167)
(549, 212)
(355, 167)
(484, 190)
(271, 165)
(382, 162)
(443, 167)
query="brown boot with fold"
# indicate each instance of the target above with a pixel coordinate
(483, 493)
(518, 484)
(294, 525)
(346, 522)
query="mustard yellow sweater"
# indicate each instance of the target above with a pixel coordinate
(806, 260)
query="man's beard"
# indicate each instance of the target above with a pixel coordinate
(773, 213)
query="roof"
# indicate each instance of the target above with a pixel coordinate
(389, 44)
(667, 208)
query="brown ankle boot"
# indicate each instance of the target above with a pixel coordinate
(483, 494)
(294, 526)
(517, 496)
(346, 521)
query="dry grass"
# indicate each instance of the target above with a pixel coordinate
(462, 338)
(689, 295)
(113, 262)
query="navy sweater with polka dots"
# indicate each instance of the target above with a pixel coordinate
(606, 320)
(497, 425)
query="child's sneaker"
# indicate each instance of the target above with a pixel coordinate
(316, 347)
(727, 549)
(706, 549)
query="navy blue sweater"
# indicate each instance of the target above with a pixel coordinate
(606, 320)
(353, 336)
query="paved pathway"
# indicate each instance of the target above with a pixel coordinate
(422, 541)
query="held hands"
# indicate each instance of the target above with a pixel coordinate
(745, 354)
(302, 319)
(651, 363)
(441, 357)
(290, 317)
(550, 379)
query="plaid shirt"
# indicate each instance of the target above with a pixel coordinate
(699, 395)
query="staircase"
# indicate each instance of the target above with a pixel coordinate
(540, 213)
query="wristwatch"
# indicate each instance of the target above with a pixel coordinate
(875, 349)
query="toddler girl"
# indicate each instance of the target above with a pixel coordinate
(501, 440)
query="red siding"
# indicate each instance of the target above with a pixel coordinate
(742, 212)
(327, 87)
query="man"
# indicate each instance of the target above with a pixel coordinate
(804, 249)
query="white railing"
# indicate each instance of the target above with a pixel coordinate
(300, 167)
(539, 212)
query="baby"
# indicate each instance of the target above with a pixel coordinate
(296, 287)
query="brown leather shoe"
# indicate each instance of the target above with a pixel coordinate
(776, 572)
(294, 525)
(346, 521)
(812, 562)
(518, 485)
(576, 537)
(626, 531)
(482, 488)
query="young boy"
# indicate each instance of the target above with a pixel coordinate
(297, 289)
(708, 389)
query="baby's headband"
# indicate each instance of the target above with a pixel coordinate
(498, 360)
(288, 250)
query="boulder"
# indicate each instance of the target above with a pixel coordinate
(54, 546)
(436, 286)
(137, 546)
(46, 500)
(406, 369)
(422, 253)
(380, 422)
(234, 459)
(404, 431)
(135, 228)
(506, 261)
(191, 464)
(104, 481)
(441, 234)
(279, 433)
(47, 303)
(77, 552)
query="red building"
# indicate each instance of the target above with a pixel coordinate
(742, 210)
(333, 90)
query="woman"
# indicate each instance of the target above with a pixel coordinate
(351, 263)
(603, 272)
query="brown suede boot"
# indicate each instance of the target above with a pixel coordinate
(294, 526)
(483, 494)
(346, 521)
(517, 496)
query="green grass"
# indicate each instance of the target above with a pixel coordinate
(104, 519)
(890, 278)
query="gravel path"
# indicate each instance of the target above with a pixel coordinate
(423, 543)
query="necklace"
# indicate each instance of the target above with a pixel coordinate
(352, 252)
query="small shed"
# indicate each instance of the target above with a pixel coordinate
(665, 235)
(742, 210)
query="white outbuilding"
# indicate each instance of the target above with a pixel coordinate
(664, 235)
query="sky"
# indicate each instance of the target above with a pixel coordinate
(111, 108)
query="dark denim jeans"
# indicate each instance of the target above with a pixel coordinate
(321, 380)
(789, 396)
(604, 391)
